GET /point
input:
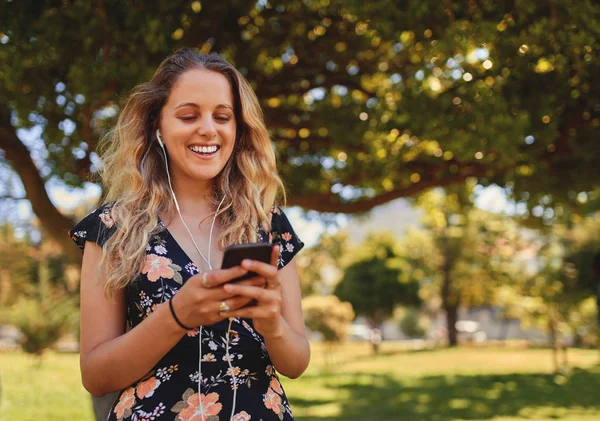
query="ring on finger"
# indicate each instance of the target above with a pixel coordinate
(205, 280)
(223, 307)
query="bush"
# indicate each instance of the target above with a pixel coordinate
(42, 322)
(411, 324)
(329, 316)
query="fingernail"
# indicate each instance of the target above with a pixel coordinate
(228, 288)
(246, 262)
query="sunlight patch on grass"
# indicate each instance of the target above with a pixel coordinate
(435, 385)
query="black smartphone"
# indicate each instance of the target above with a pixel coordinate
(235, 253)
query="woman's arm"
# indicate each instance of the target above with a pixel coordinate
(290, 351)
(111, 359)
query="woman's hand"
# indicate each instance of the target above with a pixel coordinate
(266, 313)
(200, 299)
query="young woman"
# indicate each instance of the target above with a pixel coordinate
(190, 169)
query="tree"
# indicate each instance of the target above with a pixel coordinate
(319, 265)
(554, 294)
(467, 252)
(16, 262)
(377, 281)
(366, 102)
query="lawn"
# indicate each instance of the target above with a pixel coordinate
(500, 384)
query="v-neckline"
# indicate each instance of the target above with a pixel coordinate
(181, 249)
(261, 231)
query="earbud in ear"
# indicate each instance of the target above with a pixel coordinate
(159, 138)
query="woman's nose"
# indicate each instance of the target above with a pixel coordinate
(207, 128)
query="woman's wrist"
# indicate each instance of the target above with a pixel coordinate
(181, 325)
(175, 313)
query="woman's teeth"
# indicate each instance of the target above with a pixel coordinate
(204, 149)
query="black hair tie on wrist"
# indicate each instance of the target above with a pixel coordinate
(175, 317)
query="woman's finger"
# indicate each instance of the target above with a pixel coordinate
(252, 313)
(275, 256)
(274, 282)
(218, 277)
(257, 281)
(257, 293)
(264, 269)
(235, 303)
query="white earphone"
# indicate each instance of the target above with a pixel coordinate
(207, 260)
(162, 145)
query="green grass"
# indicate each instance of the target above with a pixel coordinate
(50, 392)
(500, 384)
(446, 384)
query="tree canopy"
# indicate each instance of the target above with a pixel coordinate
(366, 102)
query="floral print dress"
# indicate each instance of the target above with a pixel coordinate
(170, 390)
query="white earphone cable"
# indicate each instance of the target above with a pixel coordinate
(233, 375)
(227, 356)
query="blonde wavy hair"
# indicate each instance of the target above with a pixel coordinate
(135, 178)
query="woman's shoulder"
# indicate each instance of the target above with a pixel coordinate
(283, 234)
(97, 226)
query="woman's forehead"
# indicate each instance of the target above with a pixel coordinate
(202, 87)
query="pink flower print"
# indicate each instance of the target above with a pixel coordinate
(198, 406)
(157, 267)
(286, 236)
(235, 372)
(194, 332)
(247, 326)
(269, 370)
(276, 386)
(107, 220)
(272, 401)
(126, 402)
(147, 387)
(242, 416)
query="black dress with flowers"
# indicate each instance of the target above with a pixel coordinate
(170, 390)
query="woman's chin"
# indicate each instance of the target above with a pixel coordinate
(206, 175)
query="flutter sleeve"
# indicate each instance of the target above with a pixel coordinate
(283, 234)
(98, 226)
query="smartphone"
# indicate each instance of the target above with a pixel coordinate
(235, 253)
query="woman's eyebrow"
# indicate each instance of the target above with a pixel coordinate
(193, 104)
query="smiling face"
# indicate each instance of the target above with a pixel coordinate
(198, 126)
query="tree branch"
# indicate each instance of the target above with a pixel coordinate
(330, 202)
(19, 157)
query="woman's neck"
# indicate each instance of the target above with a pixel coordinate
(194, 199)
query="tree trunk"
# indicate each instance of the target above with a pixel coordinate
(505, 329)
(449, 303)
(452, 318)
(376, 337)
(552, 338)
